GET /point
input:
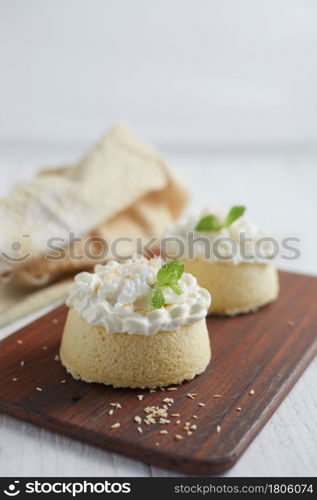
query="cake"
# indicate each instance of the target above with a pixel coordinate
(140, 323)
(229, 255)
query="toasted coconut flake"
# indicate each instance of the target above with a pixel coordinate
(116, 405)
(217, 396)
(115, 426)
(178, 437)
(172, 388)
(164, 421)
(168, 400)
(191, 395)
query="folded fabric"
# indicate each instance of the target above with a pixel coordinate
(121, 189)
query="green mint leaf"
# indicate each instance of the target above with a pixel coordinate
(208, 223)
(234, 214)
(176, 289)
(157, 300)
(167, 276)
(170, 272)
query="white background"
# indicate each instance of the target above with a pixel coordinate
(228, 91)
(198, 73)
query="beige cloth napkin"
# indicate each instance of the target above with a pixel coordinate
(121, 188)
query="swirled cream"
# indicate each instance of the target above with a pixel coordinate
(118, 297)
(242, 241)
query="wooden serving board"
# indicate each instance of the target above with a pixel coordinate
(263, 352)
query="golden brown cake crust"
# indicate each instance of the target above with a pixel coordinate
(235, 288)
(91, 354)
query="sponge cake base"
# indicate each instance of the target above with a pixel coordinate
(92, 354)
(235, 288)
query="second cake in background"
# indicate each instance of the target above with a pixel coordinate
(230, 257)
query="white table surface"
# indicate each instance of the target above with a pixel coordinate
(279, 188)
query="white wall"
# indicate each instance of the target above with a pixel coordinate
(187, 74)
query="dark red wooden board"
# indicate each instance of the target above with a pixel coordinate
(266, 351)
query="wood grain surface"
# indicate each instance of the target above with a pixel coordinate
(264, 352)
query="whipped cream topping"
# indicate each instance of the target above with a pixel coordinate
(242, 241)
(118, 297)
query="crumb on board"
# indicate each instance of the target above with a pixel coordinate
(55, 321)
(138, 419)
(251, 392)
(218, 429)
(291, 323)
(14, 379)
(238, 408)
(19, 341)
(115, 426)
(22, 363)
(172, 388)
(201, 404)
(44, 347)
(139, 429)
(63, 381)
(168, 400)
(191, 395)
(117, 406)
(178, 437)
(39, 389)
(57, 358)
(140, 397)
(217, 396)
(163, 421)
